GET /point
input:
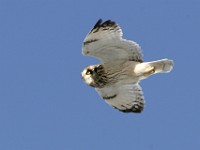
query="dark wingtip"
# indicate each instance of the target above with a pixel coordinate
(131, 111)
(108, 23)
(98, 24)
(134, 109)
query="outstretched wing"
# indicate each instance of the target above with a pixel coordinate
(105, 42)
(125, 98)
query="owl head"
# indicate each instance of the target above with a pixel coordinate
(89, 75)
(94, 76)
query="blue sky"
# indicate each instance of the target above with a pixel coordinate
(44, 104)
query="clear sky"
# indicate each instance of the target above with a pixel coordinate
(44, 104)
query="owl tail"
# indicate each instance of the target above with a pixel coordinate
(161, 66)
(149, 68)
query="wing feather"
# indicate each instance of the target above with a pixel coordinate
(125, 98)
(105, 42)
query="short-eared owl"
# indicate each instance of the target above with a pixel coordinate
(117, 78)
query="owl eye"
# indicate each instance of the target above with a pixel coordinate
(89, 72)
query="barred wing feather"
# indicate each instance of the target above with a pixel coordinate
(125, 98)
(105, 42)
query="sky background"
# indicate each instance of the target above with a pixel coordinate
(45, 105)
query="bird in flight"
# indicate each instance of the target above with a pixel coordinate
(117, 78)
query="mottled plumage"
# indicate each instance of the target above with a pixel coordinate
(117, 78)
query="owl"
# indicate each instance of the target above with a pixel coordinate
(122, 68)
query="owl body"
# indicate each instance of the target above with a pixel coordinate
(102, 77)
(117, 78)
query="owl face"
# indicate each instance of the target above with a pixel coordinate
(95, 76)
(89, 75)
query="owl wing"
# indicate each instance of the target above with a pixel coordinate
(105, 42)
(125, 98)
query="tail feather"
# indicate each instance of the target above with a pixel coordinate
(162, 66)
(146, 69)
